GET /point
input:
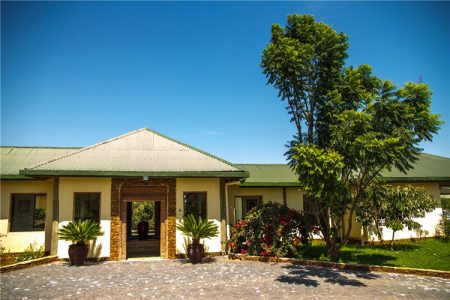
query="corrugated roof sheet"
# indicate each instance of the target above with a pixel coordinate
(269, 175)
(14, 159)
(427, 168)
(141, 152)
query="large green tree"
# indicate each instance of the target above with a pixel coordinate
(350, 124)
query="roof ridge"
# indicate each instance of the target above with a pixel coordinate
(87, 148)
(193, 148)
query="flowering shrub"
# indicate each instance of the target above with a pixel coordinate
(270, 229)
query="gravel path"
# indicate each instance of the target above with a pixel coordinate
(218, 278)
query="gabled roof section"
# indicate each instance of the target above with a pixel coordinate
(427, 168)
(142, 152)
(14, 159)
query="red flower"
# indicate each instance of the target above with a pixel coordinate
(243, 251)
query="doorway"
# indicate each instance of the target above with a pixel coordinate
(143, 228)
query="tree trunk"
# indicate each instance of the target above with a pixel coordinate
(392, 241)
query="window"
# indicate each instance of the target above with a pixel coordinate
(244, 204)
(87, 206)
(28, 212)
(195, 204)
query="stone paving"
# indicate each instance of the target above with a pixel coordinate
(218, 278)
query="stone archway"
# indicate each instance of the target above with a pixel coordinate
(124, 189)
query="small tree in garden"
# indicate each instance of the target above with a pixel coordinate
(270, 229)
(407, 203)
(398, 206)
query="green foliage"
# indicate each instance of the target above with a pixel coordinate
(445, 203)
(197, 229)
(406, 203)
(39, 217)
(33, 251)
(398, 206)
(443, 228)
(270, 229)
(357, 125)
(143, 211)
(80, 232)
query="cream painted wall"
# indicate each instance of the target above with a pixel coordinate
(70, 185)
(294, 196)
(18, 241)
(212, 188)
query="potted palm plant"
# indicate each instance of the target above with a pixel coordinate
(196, 229)
(79, 233)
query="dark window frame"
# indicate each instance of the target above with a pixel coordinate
(206, 203)
(11, 211)
(258, 198)
(87, 193)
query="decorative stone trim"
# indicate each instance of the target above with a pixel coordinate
(345, 266)
(163, 190)
(29, 264)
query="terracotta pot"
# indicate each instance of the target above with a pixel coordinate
(196, 252)
(78, 254)
(142, 230)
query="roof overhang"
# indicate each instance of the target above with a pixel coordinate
(87, 173)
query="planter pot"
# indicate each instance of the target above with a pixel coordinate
(142, 230)
(78, 254)
(195, 252)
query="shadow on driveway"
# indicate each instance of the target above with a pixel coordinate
(309, 276)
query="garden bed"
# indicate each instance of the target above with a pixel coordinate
(28, 263)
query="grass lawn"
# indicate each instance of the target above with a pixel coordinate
(423, 254)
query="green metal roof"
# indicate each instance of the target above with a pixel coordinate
(427, 168)
(14, 159)
(268, 175)
(142, 152)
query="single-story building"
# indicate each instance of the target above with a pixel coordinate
(44, 188)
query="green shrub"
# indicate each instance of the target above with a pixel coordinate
(31, 252)
(270, 229)
(443, 228)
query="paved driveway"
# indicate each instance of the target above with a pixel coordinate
(217, 279)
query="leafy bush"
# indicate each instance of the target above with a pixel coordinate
(31, 252)
(270, 229)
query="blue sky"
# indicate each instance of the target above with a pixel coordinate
(74, 74)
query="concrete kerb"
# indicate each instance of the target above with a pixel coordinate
(29, 263)
(344, 266)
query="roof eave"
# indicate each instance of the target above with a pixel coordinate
(414, 179)
(270, 184)
(79, 173)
